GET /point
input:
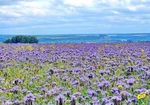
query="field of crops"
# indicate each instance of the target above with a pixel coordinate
(75, 74)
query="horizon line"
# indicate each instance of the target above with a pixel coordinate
(79, 33)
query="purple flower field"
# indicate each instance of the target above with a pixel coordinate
(75, 74)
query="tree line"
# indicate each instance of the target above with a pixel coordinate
(22, 39)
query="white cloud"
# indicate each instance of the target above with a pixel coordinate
(132, 8)
(80, 3)
(42, 13)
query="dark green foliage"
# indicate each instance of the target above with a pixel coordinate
(142, 41)
(22, 39)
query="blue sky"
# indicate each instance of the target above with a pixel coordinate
(74, 16)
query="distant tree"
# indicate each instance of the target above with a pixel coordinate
(142, 41)
(7, 41)
(129, 41)
(22, 39)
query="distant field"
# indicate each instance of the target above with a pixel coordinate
(75, 74)
(87, 38)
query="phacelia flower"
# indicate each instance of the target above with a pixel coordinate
(29, 99)
(130, 81)
(73, 100)
(59, 99)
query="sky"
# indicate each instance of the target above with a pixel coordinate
(74, 16)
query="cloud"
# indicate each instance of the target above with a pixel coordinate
(72, 14)
(79, 3)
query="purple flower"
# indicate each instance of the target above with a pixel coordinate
(1, 79)
(95, 101)
(102, 72)
(126, 86)
(74, 83)
(116, 100)
(90, 75)
(115, 90)
(130, 81)
(49, 77)
(8, 102)
(134, 99)
(59, 99)
(77, 70)
(91, 92)
(110, 103)
(73, 100)
(17, 81)
(106, 100)
(67, 93)
(100, 85)
(125, 95)
(129, 102)
(44, 90)
(16, 102)
(104, 84)
(82, 78)
(2, 58)
(14, 89)
(29, 99)
(137, 90)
